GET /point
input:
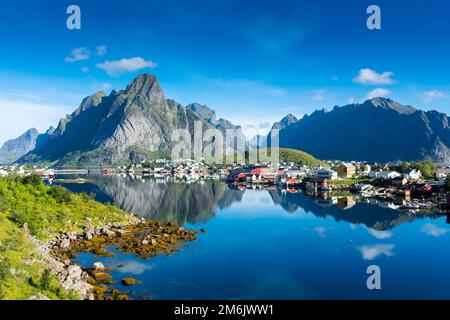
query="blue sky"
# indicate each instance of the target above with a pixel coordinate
(252, 61)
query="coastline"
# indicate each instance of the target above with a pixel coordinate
(143, 238)
(40, 222)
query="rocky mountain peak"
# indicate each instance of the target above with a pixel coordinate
(203, 111)
(387, 103)
(89, 102)
(15, 148)
(145, 86)
(285, 122)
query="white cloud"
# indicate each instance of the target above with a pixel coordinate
(431, 95)
(33, 113)
(434, 231)
(322, 230)
(78, 54)
(136, 268)
(371, 77)
(371, 252)
(380, 234)
(318, 95)
(378, 92)
(118, 67)
(85, 69)
(101, 51)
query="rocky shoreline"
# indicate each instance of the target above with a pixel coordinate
(141, 237)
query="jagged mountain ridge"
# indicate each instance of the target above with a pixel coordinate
(379, 130)
(130, 124)
(15, 148)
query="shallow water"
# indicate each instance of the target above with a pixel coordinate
(275, 245)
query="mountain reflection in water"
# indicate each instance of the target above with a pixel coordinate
(197, 202)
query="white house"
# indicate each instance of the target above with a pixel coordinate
(296, 173)
(322, 174)
(442, 173)
(365, 169)
(3, 172)
(387, 175)
(412, 174)
(374, 173)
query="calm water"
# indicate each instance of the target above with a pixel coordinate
(276, 245)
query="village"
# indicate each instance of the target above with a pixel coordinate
(398, 182)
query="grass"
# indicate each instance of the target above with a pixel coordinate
(22, 271)
(349, 181)
(48, 211)
(292, 155)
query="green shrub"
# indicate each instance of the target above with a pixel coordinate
(34, 180)
(87, 196)
(447, 183)
(60, 194)
(45, 282)
(4, 268)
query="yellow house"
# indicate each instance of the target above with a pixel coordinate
(346, 170)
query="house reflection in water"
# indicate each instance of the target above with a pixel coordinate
(327, 200)
(346, 202)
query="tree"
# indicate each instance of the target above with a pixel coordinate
(447, 184)
(60, 194)
(427, 168)
(34, 180)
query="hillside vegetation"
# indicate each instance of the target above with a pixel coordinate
(47, 211)
(292, 155)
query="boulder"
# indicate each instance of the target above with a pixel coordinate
(65, 243)
(129, 282)
(38, 296)
(120, 232)
(102, 276)
(98, 266)
(107, 232)
(74, 271)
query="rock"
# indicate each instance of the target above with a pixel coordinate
(88, 236)
(120, 232)
(28, 262)
(107, 232)
(203, 230)
(65, 244)
(98, 266)
(102, 276)
(144, 242)
(129, 282)
(74, 272)
(73, 237)
(38, 296)
(154, 242)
